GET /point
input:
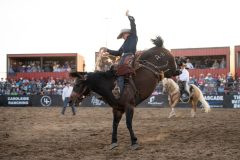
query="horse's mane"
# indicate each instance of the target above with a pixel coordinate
(158, 41)
(159, 48)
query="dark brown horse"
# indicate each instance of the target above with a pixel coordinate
(148, 69)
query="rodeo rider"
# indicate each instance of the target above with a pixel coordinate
(184, 79)
(127, 50)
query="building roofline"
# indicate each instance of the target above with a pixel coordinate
(42, 54)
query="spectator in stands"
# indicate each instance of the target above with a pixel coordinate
(205, 89)
(219, 80)
(34, 68)
(13, 91)
(2, 80)
(47, 68)
(28, 69)
(49, 84)
(21, 67)
(59, 88)
(73, 65)
(201, 81)
(67, 90)
(215, 64)
(229, 80)
(221, 89)
(207, 63)
(52, 81)
(15, 67)
(65, 65)
(189, 64)
(10, 70)
(19, 82)
(210, 81)
(223, 63)
(33, 86)
(209, 78)
(68, 68)
(193, 80)
(55, 67)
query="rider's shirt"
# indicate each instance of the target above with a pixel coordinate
(130, 44)
(184, 76)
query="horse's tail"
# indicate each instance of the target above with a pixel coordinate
(158, 41)
(202, 100)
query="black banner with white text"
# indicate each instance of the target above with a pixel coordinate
(155, 100)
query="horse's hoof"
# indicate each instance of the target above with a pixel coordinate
(172, 115)
(113, 145)
(193, 115)
(135, 146)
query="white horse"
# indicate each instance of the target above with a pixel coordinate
(172, 89)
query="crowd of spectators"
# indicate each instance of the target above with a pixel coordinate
(207, 62)
(217, 85)
(36, 67)
(213, 85)
(48, 86)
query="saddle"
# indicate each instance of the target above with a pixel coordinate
(124, 70)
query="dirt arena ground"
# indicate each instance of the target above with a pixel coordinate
(44, 134)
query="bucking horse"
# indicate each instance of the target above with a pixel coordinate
(149, 68)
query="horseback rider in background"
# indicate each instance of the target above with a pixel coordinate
(126, 51)
(183, 80)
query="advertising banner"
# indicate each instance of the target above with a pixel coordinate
(47, 100)
(155, 100)
(215, 101)
(232, 101)
(17, 101)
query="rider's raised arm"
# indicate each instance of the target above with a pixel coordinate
(133, 25)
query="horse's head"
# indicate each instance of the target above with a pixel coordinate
(80, 88)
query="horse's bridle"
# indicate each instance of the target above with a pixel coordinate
(156, 70)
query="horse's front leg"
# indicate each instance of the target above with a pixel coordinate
(117, 115)
(172, 106)
(129, 117)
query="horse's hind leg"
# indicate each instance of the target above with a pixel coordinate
(117, 115)
(129, 117)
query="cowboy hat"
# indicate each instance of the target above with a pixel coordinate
(122, 32)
